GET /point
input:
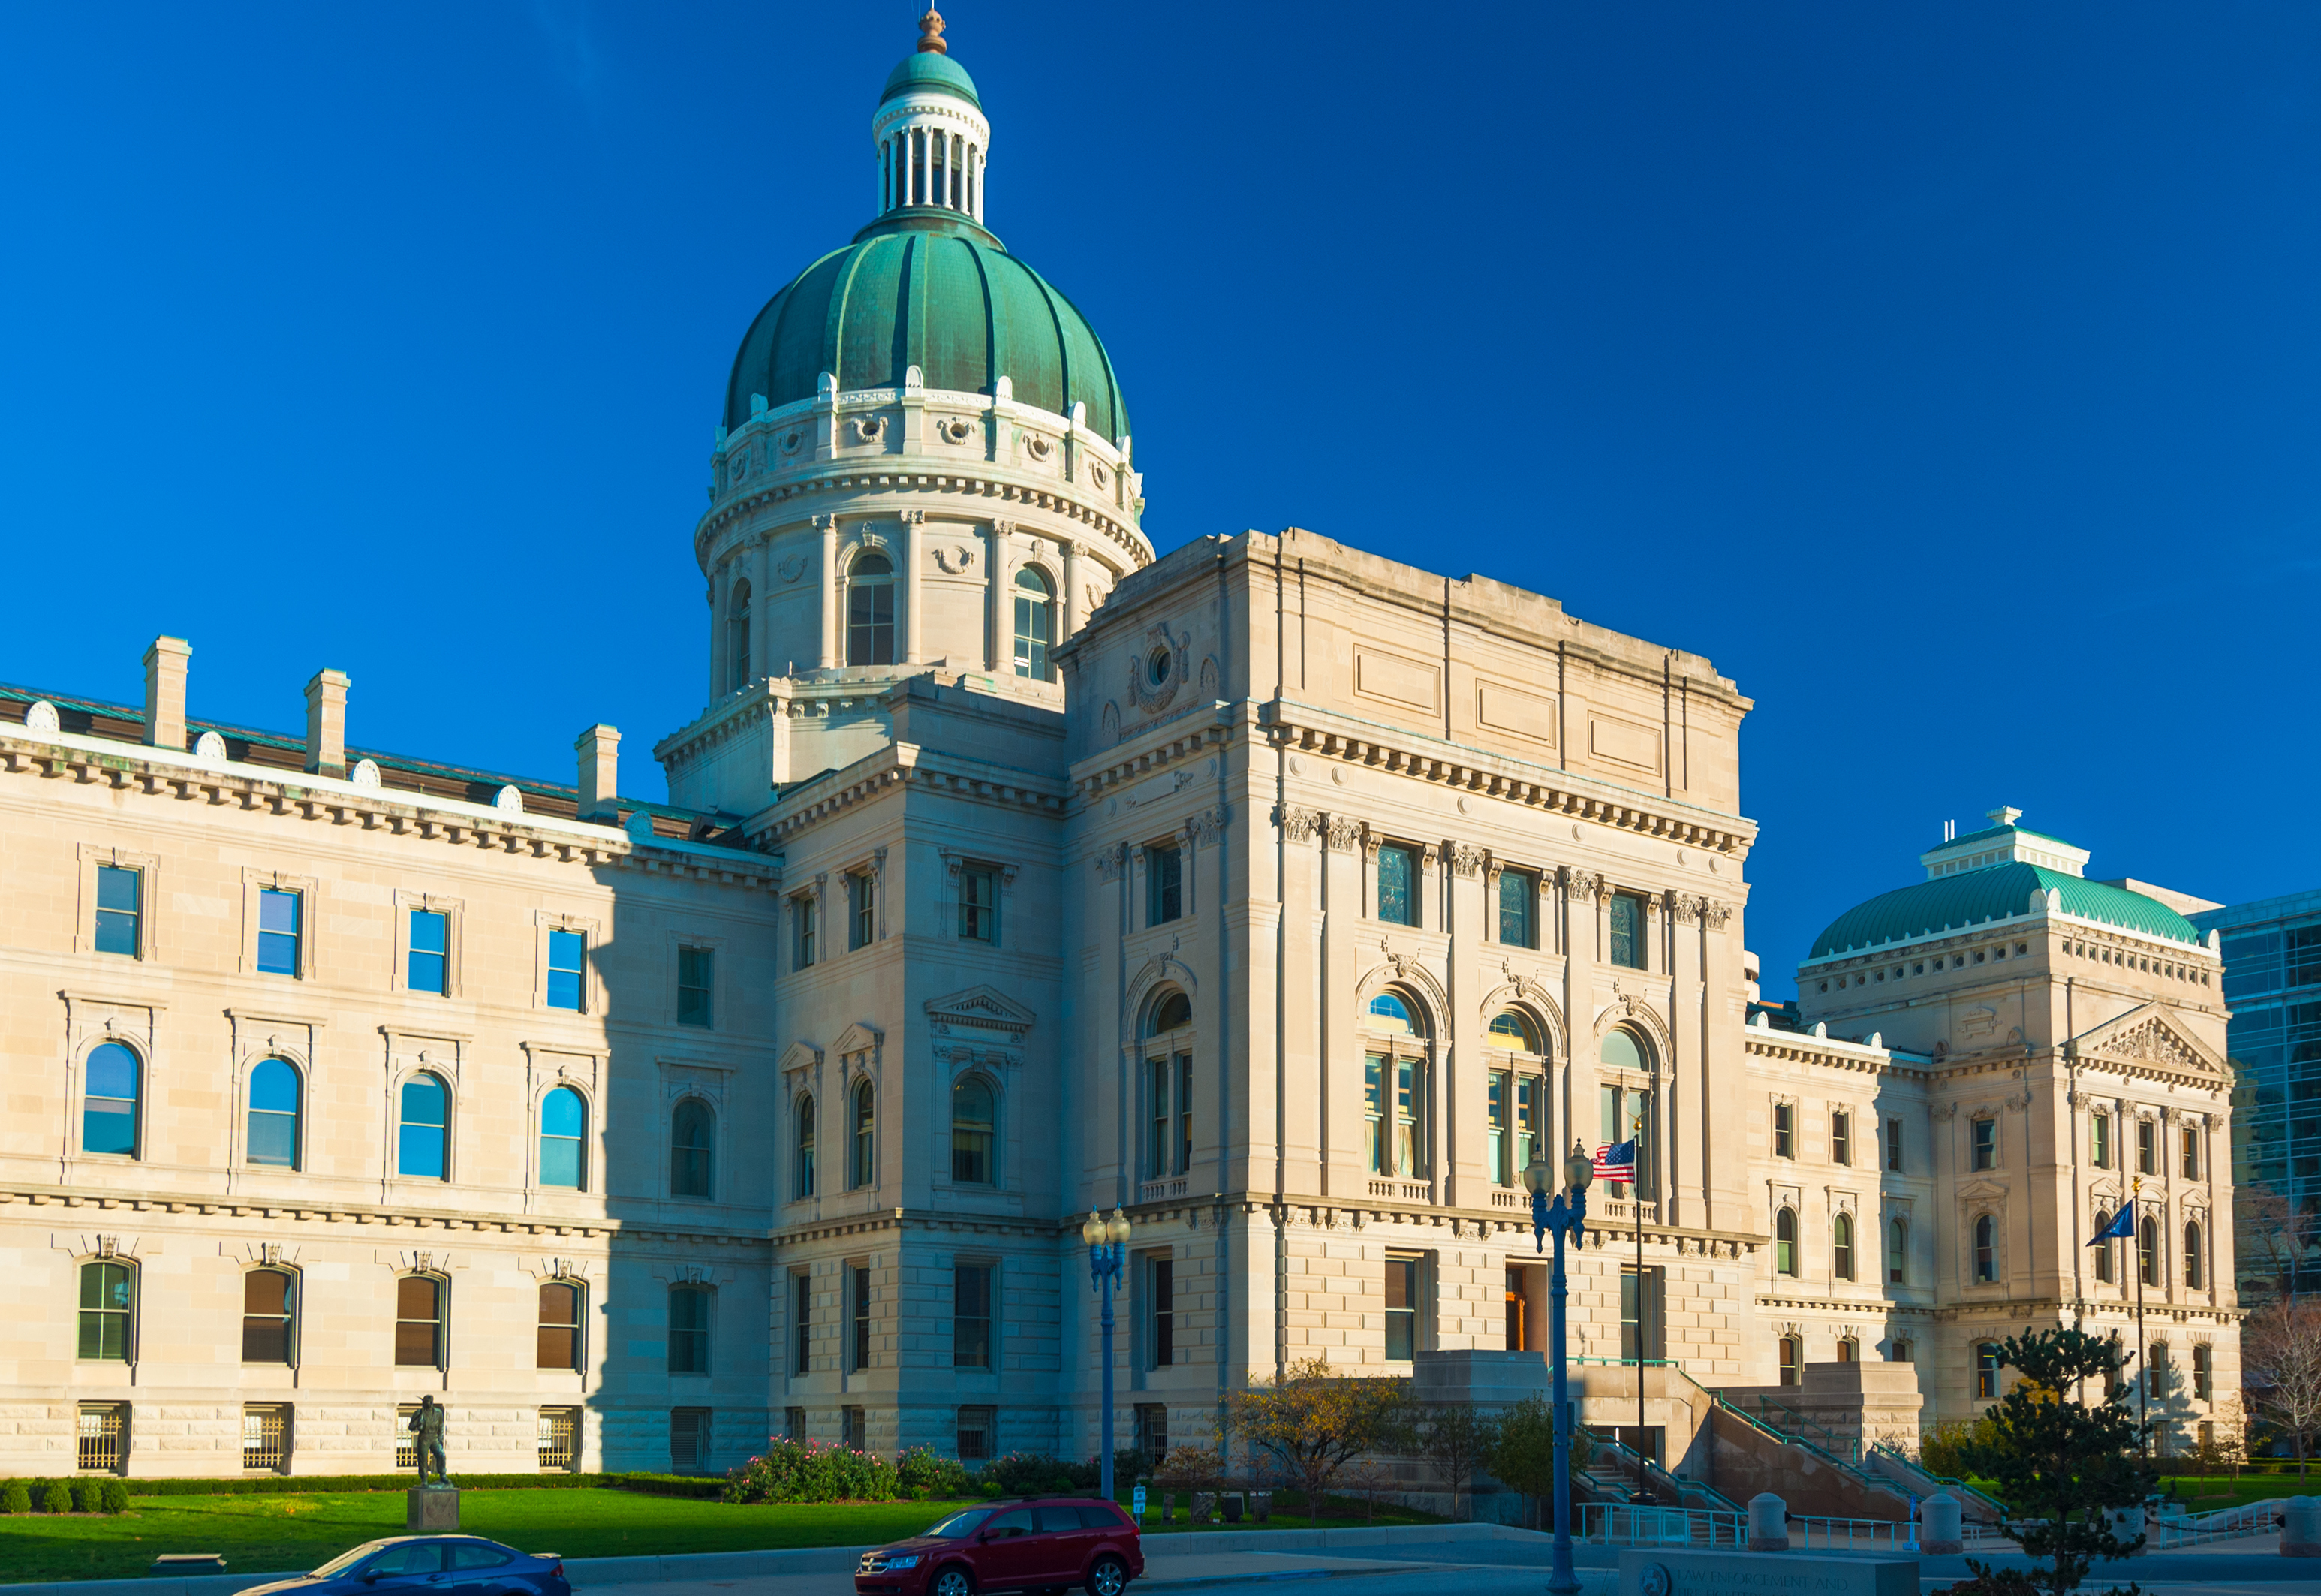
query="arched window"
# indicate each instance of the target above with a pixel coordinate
(270, 1316)
(1620, 1049)
(1785, 1242)
(2192, 1256)
(1898, 1253)
(738, 673)
(419, 1322)
(1516, 1092)
(1626, 1109)
(1849, 1350)
(108, 1311)
(973, 1126)
(692, 1133)
(688, 1329)
(1986, 1371)
(802, 1175)
(108, 1115)
(1396, 1088)
(1841, 1246)
(423, 1146)
(1793, 1357)
(2148, 1250)
(1986, 1250)
(1169, 1088)
(1035, 624)
(559, 1326)
(870, 611)
(863, 1168)
(274, 1114)
(563, 1139)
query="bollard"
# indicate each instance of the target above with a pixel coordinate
(1941, 1526)
(1769, 1523)
(2300, 1527)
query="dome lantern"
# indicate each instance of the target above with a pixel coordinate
(929, 134)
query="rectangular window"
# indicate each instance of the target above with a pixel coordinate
(119, 905)
(801, 1324)
(1531, 1098)
(806, 915)
(1159, 1078)
(1840, 1137)
(1397, 886)
(101, 1446)
(1785, 1128)
(1374, 1109)
(108, 1307)
(1161, 1288)
(970, 1316)
(794, 1425)
(1518, 1309)
(858, 1277)
(419, 1322)
(688, 1330)
(1639, 1313)
(1495, 1136)
(1152, 1431)
(689, 1440)
(560, 1439)
(567, 953)
(265, 1438)
(406, 1444)
(2190, 1148)
(1894, 1145)
(1184, 1113)
(696, 970)
(1518, 896)
(277, 932)
(975, 1434)
(1628, 923)
(978, 904)
(2103, 1249)
(2099, 1141)
(1985, 1133)
(2147, 1148)
(430, 943)
(1402, 1299)
(1986, 1371)
(1410, 1138)
(1164, 883)
(854, 1427)
(861, 910)
(2204, 1370)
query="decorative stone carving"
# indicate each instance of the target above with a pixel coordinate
(210, 746)
(1466, 859)
(912, 518)
(1112, 863)
(868, 429)
(1716, 913)
(1154, 678)
(365, 773)
(954, 559)
(41, 719)
(955, 429)
(1098, 475)
(508, 800)
(1037, 447)
(791, 440)
(788, 571)
(1205, 825)
(1108, 723)
(1299, 825)
(1581, 883)
(1340, 834)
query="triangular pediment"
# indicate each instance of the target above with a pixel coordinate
(2148, 1035)
(1981, 1191)
(858, 1037)
(801, 1056)
(980, 1007)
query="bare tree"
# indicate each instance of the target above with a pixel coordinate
(2280, 1369)
(2283, 1228)
(1454, 1440)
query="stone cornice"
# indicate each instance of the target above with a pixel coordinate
(158, 772)
(1326, 735)
(1322, 1213)
(896, 766)
(1832, 1052)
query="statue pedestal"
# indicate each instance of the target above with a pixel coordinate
(432, 1509)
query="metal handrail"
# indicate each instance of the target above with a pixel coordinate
(1958, 1487)
(1797, 1423)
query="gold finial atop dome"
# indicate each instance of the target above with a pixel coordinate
(930, 27)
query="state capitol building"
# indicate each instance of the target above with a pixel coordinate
(1289, 898)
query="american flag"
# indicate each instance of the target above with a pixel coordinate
(1617, 1161)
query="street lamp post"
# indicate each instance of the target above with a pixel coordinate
(1563, 1217)
(1107, 1243)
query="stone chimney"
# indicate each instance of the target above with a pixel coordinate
(165, 692)
(599, 748)
(327, 724)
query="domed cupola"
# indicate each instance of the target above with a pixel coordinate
(922, 463)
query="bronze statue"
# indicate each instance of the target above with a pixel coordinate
(427, 1424)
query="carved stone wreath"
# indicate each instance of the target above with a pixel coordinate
(1101, 477)
(868, 429)
(1036, 446)
(1145, 694)
(955, 429)
(954, 559)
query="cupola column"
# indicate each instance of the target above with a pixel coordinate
(915, 526)
(830, 655)
(1071, 622)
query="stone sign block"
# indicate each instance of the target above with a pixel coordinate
(1652, 1571)
(432, 1509)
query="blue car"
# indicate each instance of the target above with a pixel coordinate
(435, 1565)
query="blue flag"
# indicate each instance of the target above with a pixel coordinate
(2122, 1225)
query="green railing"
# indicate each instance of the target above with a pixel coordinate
(1958, 1487)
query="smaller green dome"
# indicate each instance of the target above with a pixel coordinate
(1960, 902)
(925, 69)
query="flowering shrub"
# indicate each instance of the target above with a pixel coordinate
(923, 1469)
(1021, 1473)
(813, 1471)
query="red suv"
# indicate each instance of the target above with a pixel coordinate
(1044, 1546)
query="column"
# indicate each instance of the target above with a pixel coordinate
(957, 172)
(995, 593)
(761, 588)
(830, 652)
(721, 599)
(914, 558)
(1071, 616)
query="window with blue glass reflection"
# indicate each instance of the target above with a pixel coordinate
(119, 905)
(566, 952)
(277, 932)
(430, 943)
(422, 1149)
(108, 1115)
(1397, 877)
(563, 1122)
(274, 1114)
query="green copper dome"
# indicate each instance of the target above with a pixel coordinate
(2000, 892)
(937, 292)
(926, 70)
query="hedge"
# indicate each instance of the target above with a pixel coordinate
(315, 1484)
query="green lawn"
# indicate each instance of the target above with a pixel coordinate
(2221, 1491)
(265, 1534)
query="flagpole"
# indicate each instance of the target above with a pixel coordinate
(2142, 1368)
(1637, 1210)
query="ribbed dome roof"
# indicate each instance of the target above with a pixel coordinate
(1997, 893)
(927, 69)
(934, 291)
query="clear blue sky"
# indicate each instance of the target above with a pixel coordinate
(1949, 375)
